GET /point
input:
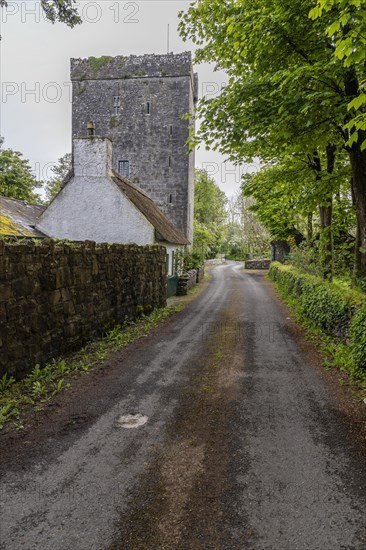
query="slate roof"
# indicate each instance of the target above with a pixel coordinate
(18, 218)
(165, 230)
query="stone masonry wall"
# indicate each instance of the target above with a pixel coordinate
(186, 281)
(257, 264)
(148, 129)
(54, 297)
(132, 66)
(200, 274)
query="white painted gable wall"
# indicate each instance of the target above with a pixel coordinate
(91, 207)
(95, 212)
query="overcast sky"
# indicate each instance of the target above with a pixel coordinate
(35, 116)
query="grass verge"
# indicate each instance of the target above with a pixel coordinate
(42, 385)
(336, 353)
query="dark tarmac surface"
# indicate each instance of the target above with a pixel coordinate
(241, 442)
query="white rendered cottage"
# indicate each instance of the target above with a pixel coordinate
(98, 204)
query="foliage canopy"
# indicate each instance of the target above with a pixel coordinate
(64, 11)
(60, 171)
(16, 178)
(296, 78)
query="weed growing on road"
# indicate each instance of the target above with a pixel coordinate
(5, 382)
(42, 384)
(8, 412)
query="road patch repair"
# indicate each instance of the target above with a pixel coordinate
(131, 421)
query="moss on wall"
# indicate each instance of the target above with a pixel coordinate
(113, 122)
(96, 63)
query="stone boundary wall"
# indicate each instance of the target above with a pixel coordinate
(188, 280)
(56, 296)
(257, 264)
(200, 274)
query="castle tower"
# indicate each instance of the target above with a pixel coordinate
(140, 103)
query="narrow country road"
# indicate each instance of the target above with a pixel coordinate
(243, 442)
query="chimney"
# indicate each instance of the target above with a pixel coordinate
(91, 128)
(92, 156)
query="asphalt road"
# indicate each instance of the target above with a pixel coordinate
(236, 440)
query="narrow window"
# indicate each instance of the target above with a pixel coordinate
(116, 104)
(173, 254)
(170, 198)
(171, 129)
(124, 168)
(170, 161)
(148, 107)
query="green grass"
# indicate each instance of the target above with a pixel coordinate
(42, 385)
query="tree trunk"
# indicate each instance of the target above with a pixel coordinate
(310, 226)
(326, 239)
(326, 213)
(326, 217)
(357, 257)
(357, 267)
(358, 164)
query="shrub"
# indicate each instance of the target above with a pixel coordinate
(336, 311)
(324, 305)
(307, 257)
(358, 337)
(186, 260)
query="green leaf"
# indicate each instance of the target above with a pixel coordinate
(315, 12)
(357, 102)
(333, 28)
(353, 139)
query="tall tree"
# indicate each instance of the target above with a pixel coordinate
(60, 171)
(286, 91)
(347, 28)
(289, 193)
(209, 206)
(209, 213)
(244, 233)
(64, 11)
(16, 178)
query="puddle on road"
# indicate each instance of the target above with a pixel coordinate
(132, 421)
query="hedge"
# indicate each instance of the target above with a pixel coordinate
(337, 312)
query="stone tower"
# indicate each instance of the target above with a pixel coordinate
(140, 103)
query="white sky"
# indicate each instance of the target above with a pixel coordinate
(35, 104)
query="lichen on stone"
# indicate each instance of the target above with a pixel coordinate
(9, 227)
